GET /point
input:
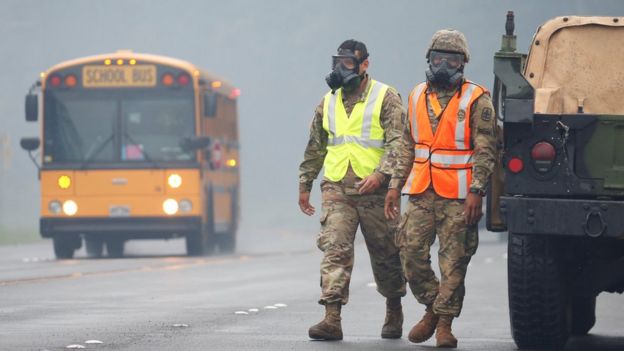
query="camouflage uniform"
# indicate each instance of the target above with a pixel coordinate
(429, 214)
(343, 208)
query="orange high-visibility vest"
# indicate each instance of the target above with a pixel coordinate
(443, 159)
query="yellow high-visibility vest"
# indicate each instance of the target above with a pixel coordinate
(358, 138)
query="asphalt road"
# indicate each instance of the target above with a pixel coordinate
(262, 298)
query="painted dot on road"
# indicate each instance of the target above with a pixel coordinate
(93, 342)
(372, 285)
(241, 312)
(255, 310)
(489, 260)
(270, 307)
(280, 305)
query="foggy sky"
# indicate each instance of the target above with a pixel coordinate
(276, 52)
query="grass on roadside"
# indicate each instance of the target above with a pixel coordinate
(12, 237)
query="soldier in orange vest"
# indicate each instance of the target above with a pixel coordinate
(452, 143)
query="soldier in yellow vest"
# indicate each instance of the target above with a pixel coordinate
(452, 143)
(356, 134)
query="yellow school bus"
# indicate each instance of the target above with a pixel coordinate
(135, 146)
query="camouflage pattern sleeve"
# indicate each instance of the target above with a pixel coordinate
(315, 152)
(393, 120)
(483, 124)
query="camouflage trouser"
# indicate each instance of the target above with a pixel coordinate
(426, 216)
(341, 214)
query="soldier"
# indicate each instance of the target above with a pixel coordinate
(452, 143)
(356, 134)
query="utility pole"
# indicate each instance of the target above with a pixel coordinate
(5, 163)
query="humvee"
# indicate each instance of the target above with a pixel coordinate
(559, 187)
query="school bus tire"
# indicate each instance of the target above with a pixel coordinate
(195, 244)
(94, 247)
(64, 247)
(115, 247)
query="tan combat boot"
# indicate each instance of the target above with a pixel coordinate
(330, 327)
(393, 325)
(444, 335)
(424, 329)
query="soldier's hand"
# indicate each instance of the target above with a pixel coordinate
(472, 208)
(304, 203)
(391, 205)
(368, 184)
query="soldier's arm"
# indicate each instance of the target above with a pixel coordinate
(483, 124)
(315, 152)
(395, 160)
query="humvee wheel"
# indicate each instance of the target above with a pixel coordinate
(63, 248)
(537, 296)
(583, 314)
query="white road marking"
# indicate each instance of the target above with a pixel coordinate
(93, 342)
(280, 305)
(372, 285)
(74, 346)
(270, 307)
(505, 255)
(489, 260)
(255, 310)
(241, 312)
(180, 325)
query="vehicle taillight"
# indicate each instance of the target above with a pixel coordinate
(515, 165)
(55, 80)
(167, 79)
(543, 155)
(70, 80)
(183, 79)
(235, 93)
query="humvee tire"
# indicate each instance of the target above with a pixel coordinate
(583, 315)
(537, 296)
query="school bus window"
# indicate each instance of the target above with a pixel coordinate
(78, 127)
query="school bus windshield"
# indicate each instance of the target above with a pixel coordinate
(94, 127)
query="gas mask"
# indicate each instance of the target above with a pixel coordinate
(445, 69)
(345, 72)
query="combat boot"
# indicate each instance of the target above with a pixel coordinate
(393, 325)
(330, 327)
(444, 335)
(424, 329)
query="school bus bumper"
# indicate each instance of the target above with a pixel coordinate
(130, 228)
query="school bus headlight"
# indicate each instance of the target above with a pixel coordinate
(64, 182)
(70, 207)
(55, 207)
(186, 205)
(174, 181)
(170, 206)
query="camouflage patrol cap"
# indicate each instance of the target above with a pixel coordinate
(449, 40)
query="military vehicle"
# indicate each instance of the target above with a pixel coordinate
(559, 188)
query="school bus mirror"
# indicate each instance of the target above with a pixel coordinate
(195, 143)
(30, 144)
(210, 104)
(32, 108)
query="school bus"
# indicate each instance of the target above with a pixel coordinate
(135, 146)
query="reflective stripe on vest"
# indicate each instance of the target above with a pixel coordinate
(356, 139)
(443, 159)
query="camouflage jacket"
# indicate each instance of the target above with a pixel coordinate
(483, 140)
(394, 122)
